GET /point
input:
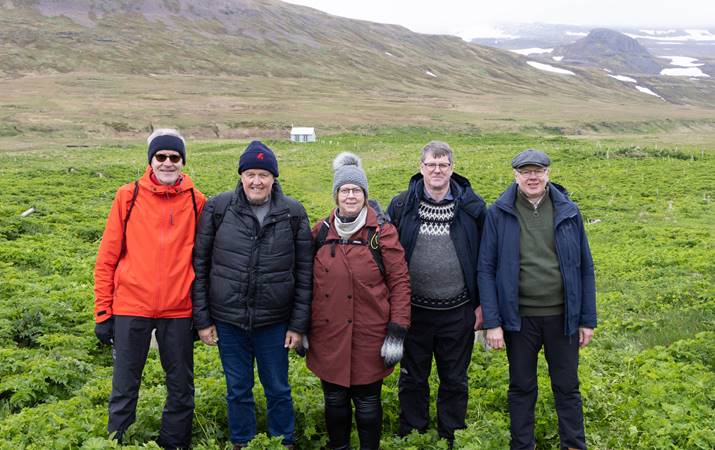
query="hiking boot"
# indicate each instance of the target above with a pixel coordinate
(239, 446)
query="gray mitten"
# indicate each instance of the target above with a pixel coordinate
(392, 348)
(302, 348)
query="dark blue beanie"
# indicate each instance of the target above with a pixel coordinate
(167, 142)
(258, 156)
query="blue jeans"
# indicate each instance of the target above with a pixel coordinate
(238, 349)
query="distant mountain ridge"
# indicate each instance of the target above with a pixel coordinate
(121, 66)
(252, 38)
(605, 48)
(233, 37)
(698, 43)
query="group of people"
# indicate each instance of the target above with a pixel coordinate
(359, 292)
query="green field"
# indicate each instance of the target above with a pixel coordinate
(648, 379)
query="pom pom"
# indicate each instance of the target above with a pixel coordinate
(346, 159)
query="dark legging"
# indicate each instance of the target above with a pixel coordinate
(368, 414)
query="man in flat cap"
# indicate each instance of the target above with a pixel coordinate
(537, 288)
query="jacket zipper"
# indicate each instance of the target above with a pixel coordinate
(162, 252)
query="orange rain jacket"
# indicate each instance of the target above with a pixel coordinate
(153, 277)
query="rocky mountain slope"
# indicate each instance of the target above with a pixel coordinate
(605, 48)
(77, 67)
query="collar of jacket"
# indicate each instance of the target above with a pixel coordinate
(460, 187)
(564, 207)
(370, 221)
(278, 203)
(161, 189)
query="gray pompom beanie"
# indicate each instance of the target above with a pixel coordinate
(348, 170)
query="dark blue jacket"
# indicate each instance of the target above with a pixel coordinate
(465, 229)
(499, 264)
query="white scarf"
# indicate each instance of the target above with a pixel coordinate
(347, 229)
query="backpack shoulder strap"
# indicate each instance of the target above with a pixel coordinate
(373, 242)
(320, 237)
(223, 201)
(126, 219)
(193, 202)
(397, 209)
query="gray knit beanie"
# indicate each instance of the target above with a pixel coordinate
(348, 170)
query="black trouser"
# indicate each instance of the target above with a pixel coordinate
(132, 336)
(368, 414)
(561, 352)
(449, 335)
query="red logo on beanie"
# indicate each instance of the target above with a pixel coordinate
(260, 156)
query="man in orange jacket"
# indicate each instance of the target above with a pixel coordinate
(143, 277)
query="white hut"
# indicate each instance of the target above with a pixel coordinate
(302, 134)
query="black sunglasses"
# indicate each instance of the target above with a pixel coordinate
(160, 157)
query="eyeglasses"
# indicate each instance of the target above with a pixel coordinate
(532, 172)
(432, 166)
(161, 157)
(347, 191)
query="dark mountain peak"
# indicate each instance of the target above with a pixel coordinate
(607, 39)
(605, 48)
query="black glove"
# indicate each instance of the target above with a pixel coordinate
(302, 348)
(105, 331)
(392, 348)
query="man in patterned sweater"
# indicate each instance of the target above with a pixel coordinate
(440, 220)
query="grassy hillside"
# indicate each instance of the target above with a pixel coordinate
(647, 379)
(76, 71)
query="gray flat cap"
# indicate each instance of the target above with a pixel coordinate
(531, 157)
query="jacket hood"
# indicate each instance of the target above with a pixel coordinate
(146, 183)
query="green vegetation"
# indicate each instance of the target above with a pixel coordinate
(648, 379)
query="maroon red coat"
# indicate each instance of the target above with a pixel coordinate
(353, 303)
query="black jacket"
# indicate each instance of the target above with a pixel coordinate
(465, 230)
(250, 275)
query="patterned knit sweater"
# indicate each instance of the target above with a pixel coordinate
(435, 272)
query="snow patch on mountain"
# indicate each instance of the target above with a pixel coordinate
(682, 61)
(532, 51)
(645, 90)
(684, 72)
(690, 35)
(623, 78)
(549, 68)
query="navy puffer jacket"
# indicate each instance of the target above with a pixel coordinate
(499, 263)
(251, 275)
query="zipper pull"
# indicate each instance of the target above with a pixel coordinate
(171, 217)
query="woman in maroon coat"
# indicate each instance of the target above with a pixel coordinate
(360, 315)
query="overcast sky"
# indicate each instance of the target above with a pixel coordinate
(469, 18)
